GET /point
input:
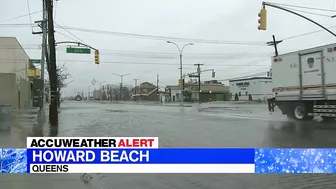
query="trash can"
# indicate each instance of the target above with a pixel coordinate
(5, 116)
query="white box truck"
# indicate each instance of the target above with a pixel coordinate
(305, 83)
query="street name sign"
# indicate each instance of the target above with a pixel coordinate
(35, 61)
(78, 50)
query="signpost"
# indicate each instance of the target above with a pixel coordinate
(35, 61)
(78, 50)
(193, 75)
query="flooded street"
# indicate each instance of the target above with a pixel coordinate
(213, 126)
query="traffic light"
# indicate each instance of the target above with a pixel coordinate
(262, 19)
(213, 74)
(96, 56)
(181, 83)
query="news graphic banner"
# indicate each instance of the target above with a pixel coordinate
(143, 155)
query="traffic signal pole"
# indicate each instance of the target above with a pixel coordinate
(297, 14)
(199, 81)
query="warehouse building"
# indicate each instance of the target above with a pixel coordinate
(15, 86)
(250, 89)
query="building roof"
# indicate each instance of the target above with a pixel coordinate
(251, 78)
(214, 88)
(147, 85)
(173, 87)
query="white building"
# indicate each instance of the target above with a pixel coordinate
(15, 87)
(256, 87)
(174, 93)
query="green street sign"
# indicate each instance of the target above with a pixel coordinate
(35, 61)
(78, 50)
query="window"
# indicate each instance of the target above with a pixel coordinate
(246, 93)
(239, 94)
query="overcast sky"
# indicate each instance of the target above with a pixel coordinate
(210, 23)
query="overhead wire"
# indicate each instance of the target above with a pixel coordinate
(65, 36)
(307, 12)
(304, 7)
(69, 33)
(21, 16)
(142, 36)
(31, 22)
(139, 63)
(55, 9)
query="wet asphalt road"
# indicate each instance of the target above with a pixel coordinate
(219, 126)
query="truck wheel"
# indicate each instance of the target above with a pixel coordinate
(300, 112)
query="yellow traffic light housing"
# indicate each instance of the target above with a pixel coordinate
(262, 19)
(181, 83)
(96, 56)
(213, 74)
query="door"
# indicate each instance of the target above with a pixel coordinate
(311, 74)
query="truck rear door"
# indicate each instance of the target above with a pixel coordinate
(311, 74)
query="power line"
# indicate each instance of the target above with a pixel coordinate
(308, 33)
(287, 38)
(152, 37)
(228, 56)
(142, 63)
(303, 7)
(69, 32)
(317, 14)
(65, 36)
(31, 22)
(142, 36)
(24, 15)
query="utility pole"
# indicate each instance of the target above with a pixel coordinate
(88, 96)
(53, 110)
(43, 25)
(135, 85)
(275, 44)
(199, 81)
(157, 87)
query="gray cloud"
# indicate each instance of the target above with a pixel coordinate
(198, 19)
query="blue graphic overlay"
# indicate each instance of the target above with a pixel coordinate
(284, 160)
(142, 156)
(13, 160)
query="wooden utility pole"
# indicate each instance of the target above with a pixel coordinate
(275, 44)
(53, 109)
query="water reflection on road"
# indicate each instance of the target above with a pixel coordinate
(179, 128)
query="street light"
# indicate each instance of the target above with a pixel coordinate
(181, 75)
(121, 82)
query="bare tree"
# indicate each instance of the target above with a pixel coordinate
(62, 76)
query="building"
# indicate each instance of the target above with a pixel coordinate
(253, 89)
(173, 93)
(145, 91)
(210, 91)
(15, 86)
